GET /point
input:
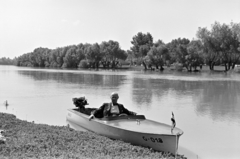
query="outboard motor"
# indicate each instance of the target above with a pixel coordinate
(80, 103)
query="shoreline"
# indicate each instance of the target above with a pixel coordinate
(23, 139)
(205, 68)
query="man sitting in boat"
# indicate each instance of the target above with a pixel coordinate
(111, 109)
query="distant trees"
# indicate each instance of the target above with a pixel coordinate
(91, 55)
(38, 58)
(94, 55)
(111, 53)
(7, 61)
(186, 52)
(219, 45)
(157, 55)
(195, 57)
(142, 43)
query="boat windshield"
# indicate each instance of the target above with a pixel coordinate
(123, 117)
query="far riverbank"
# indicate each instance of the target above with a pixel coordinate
(203, 69)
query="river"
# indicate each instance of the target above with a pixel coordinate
(206, 105)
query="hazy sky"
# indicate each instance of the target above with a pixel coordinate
(29, 24)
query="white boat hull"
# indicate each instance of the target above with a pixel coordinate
(142, 132)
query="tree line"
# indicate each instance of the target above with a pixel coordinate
(7, 61)
(106, 54)
(218, 46)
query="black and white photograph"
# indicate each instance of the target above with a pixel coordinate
(119, 79)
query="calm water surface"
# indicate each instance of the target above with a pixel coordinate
(206, 105)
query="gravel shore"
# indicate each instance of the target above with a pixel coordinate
(22, 139)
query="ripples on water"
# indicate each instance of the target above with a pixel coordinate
(206, 105)
(215, 94)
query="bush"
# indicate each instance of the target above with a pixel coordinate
(83, 64)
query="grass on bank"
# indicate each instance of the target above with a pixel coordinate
(28, 140)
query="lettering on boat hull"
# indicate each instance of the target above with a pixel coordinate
(152, 139)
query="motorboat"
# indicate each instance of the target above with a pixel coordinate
(134, 129)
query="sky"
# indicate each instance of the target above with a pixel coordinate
(29, 24)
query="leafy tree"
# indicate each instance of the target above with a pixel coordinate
(121, 54)
(94, 55)
(70, 59)
(39, 56)
(178, 50)
(53, 58)
(223, 39)
(235, 45)
(181, 53)
(220, 44)
(83, 64)
(46, 57)
(141, 45)
(158, 43)
(211, 56)
(109, 49)
(130, 57)
(111, 53)
(195, 55)
(61, 53)
(157, 56)
(6, 61)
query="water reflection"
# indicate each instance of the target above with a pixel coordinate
(206, 105)
(95, 80)
(142, 92)
(218, 99)
(145, 89)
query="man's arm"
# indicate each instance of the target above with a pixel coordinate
(97, 113)
(126, 111)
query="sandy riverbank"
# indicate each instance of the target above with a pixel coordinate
(28, 140)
